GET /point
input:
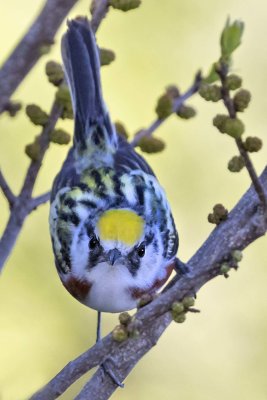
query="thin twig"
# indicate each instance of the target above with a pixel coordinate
(99, 11)
(23, 205)
(243, 226)
(176, 106)
(228, 102)
(37, 201)
(9, 195)
(44, 141)
(29, 50)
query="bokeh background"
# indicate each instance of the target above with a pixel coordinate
(220, 353)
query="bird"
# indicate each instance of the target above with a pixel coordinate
(113, 233)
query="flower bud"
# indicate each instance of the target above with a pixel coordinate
(106, 56)
(241, 100)
(172, 91)
(133, 328)
(219, 121)
(237, 255)
(180, 318)
(253, 144)
(212, 219)
(124, 5)
(186, 112)
(63, 95)
(44, 49)
(59, 136)
(220, 213)
(67, 113)
(144, 300)
(210, 92)
(164, 106)
(150, 144)
(233, 82)
(188, 301)
(177, 307)
(54, 72)
(125, 318)
(36, 115)
(121, 130)
(234, 127)
(33, 150)
(224, 268)
(63, 98)
(119, 333)
(236, 164)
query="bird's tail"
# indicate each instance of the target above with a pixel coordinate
(93, 128)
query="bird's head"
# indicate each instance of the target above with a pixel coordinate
(120, 238)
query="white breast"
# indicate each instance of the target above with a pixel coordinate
(110, 288)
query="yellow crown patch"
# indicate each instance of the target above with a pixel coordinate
(121, 225)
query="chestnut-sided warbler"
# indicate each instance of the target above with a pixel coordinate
(112, 229)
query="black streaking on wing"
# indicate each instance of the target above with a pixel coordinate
(88, 203)
(69, 202)
(127, 159)
(100, 186)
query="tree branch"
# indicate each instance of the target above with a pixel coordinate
(37, 201)
(244, 225)
(99, 10)
(9, 195)
(24, 203)
(176, 106)
(228, 102)
(29, 49)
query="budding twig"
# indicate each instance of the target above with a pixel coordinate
(30, 48)
(99, 11)
(228, 102)
(9, 195)
(176, 106)
(37, 201)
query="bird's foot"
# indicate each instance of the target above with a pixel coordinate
(180, 267)
(108, 370)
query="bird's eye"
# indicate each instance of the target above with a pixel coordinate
(94, 242)
(141, 250)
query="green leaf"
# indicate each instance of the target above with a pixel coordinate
(212, 75)
(231, 37)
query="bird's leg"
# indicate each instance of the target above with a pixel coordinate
(104, 365)
(180, 267)
(98, 328)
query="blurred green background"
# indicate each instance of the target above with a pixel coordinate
(220, 353)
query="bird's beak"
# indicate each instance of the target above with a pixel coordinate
(113, 255)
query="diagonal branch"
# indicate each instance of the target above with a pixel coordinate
(244, 225)
(99, 9)
(176, 106)
(29, 49)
